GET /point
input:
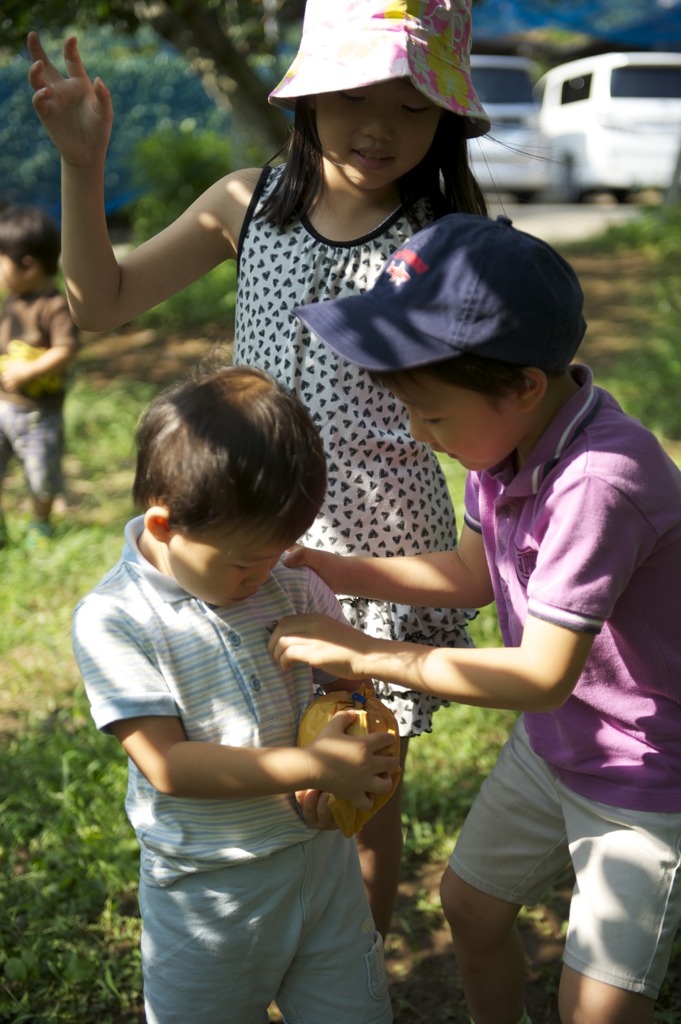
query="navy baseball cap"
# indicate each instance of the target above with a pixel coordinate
(464, 284)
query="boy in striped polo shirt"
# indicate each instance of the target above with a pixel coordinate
(243, 901)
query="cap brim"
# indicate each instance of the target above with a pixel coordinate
(363, 333)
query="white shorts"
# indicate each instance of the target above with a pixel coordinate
(525, 826)
(294, 928)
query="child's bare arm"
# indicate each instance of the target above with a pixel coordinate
(354, 767)
(537, 676)
(77, 112)
(444, 579)
(314, 807)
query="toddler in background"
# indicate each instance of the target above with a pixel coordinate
(38, 341)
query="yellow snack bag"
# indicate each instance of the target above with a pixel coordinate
(47, 383)
(373, 716)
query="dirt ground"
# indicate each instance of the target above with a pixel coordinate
(420, 964)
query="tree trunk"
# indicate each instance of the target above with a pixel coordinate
(198, 33)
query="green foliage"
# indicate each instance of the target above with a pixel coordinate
(101, 424)
(240, 19)
(152, 89)
(58, 15)
(657, 232)
(42, 586)
(459, 754)
(237, 44)
(208, 302)
(646, 377)
(170, 170)
(69, 930)
(68, 914)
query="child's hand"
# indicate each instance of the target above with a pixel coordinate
(314, 807)
(76, 112)
(325, 563)
(353, 767)
(323, 642)
(14, 373)
(296, 555)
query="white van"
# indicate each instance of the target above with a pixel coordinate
(513, 157)
(614, 121)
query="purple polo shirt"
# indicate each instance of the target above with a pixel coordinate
(588, 536)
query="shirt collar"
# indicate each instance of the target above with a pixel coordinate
(167, 589)
(568, 424)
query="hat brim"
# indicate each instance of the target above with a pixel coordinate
(362, 332)
(443, 83)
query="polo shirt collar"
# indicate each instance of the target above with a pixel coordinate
(166, 588)
(567, 425)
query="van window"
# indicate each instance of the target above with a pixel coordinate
(576, 89)
(657, 82)
(502, 85)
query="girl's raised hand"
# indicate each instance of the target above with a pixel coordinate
(76, 112)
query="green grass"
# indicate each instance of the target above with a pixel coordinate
(70, 934)
(644, 370)
(69, 930)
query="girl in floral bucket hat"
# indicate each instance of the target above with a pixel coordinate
(360, 42)
(378, 149)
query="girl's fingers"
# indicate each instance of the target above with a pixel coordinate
(42, 70)
(72, 59)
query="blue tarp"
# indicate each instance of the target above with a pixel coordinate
(638, 24)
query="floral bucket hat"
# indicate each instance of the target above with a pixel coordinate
(347, 44)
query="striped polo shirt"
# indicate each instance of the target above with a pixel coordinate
(145, 646)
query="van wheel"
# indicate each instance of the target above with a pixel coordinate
(568, 186)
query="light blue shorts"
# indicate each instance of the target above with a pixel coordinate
(294, 928)
(522, 831)
(36, 437)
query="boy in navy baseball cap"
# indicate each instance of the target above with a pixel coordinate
(466, 285)
(573, 527)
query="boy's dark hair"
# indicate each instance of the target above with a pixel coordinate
(27, 231)
(231, 447)
(491, 377)
(443, 177)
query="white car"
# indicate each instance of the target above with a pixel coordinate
(512, 158)
(614, 122)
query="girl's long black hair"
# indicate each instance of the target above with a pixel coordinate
(443, 177)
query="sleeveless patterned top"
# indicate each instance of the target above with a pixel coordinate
(387, 493)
